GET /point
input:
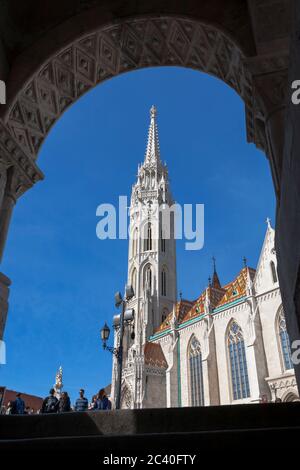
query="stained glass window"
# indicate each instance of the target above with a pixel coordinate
(284, 342)
(195, 373)
(163, 283)
(238, 362)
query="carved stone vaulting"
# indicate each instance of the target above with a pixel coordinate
(53, 52)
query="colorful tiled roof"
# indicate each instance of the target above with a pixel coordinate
(154, 355)
(181, 308)
(237, 288)
(218, 296)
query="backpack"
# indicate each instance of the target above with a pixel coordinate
(51, 405)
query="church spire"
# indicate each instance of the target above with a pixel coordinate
(215, 279)
(152, 151)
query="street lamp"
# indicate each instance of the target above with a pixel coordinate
(105, 332)
(126, 316)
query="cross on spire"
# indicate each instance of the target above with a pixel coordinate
(152, 151)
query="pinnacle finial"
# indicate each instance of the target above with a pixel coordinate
(268, 221)
(152, 151)
(153, 111)
(215, 279)
(245, 262)
(214, 263)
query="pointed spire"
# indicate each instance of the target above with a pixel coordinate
(215, 279)
(268, 221)
(249, 284)
(152, 151)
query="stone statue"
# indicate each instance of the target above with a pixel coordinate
(58, 386)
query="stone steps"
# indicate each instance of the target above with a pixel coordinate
(140, 432)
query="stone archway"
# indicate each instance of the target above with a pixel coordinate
(114, 49)
(63, 54)
(290, 397)
(40, 93)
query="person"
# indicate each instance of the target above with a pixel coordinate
(50, 403)
(10, 408)
(93, 404)
(64, 403)
(103, 403)
(264, 399)
(81, 403)
(19, 405)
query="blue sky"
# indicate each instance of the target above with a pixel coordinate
(63, 277)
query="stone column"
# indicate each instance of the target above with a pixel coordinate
(288, 210)
(275, 136)
(206, 384)
(8, 203)
(270, 92)
(4, 294)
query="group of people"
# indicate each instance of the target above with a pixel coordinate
(18, 407)
(52, 404)
(63, 405)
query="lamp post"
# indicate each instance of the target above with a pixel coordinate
(126, 316)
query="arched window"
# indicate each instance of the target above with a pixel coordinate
(195, 373)
(148, 238)
(148, 278)
(273, 272)
(163, 283)
(238, 362)
(162, 242)
(284, 341)
(133, 281)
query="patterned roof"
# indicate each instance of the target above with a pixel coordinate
(181, 308)
(237, 288)
(218, 296)
(154, 355)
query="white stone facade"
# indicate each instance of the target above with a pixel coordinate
(228, 346)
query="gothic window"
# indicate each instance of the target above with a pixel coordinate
(284, 341)
(238, 362)
(162, 242)
(273, 271)
(163, 283)
(195, 373)
(148, 238)
(148, 278)
(133, 280)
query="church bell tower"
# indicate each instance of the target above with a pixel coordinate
(151, 269)
(152, 249)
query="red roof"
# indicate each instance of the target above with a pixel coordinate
(154, 355)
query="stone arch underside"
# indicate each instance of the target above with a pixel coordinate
(108, 52)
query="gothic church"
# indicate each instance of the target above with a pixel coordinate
(228, 346)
